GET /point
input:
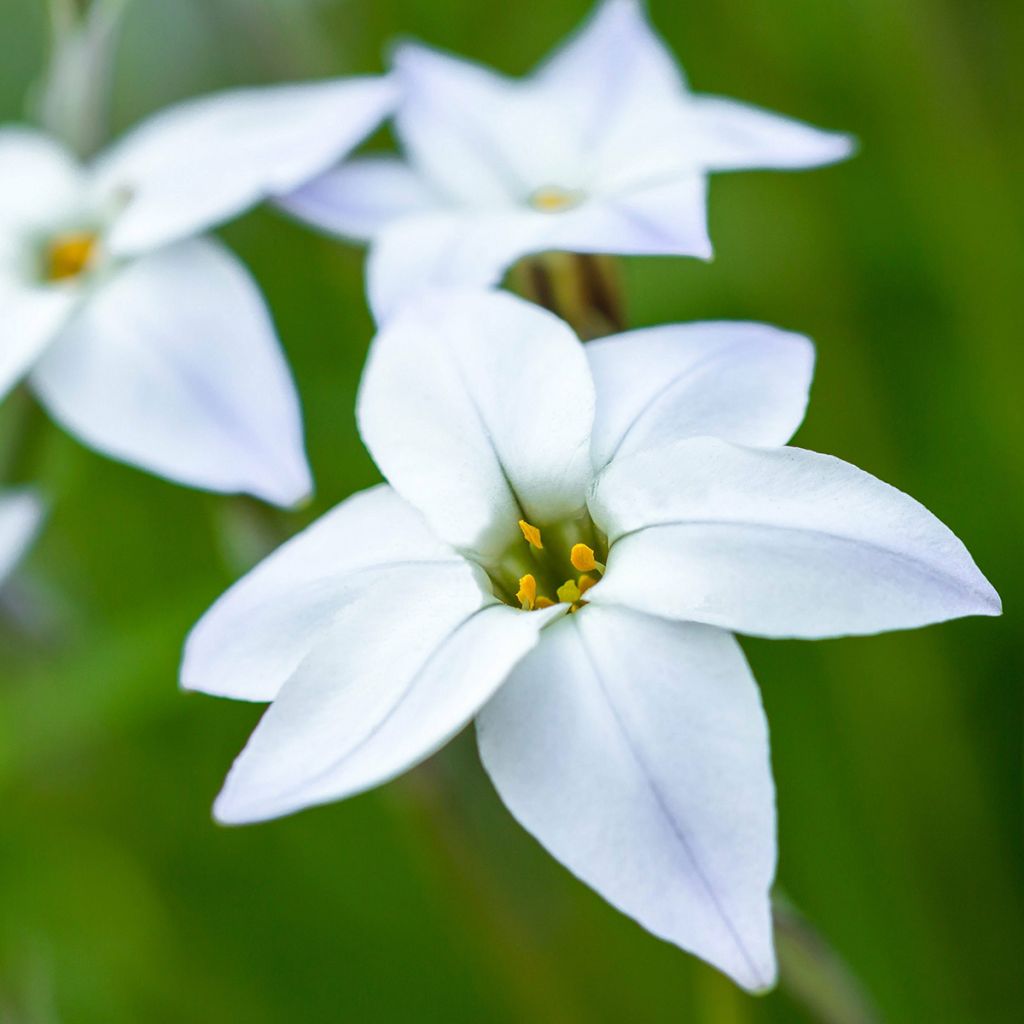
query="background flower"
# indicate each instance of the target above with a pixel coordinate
(602, 149)
(150, 344)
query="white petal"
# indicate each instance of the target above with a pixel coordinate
(779, 542)
(636, 751)
(442, 250)
(358, 199)
(21, 512)
(403, 669)
(173, 365)
(32, 319)
(39, 179)
(667, 219)
(742, 382)
(258, 632)
(477, 407)
(615, 81)
(460, 125)
(726, 135)
(204, 161)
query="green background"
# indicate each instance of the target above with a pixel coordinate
(897, 758)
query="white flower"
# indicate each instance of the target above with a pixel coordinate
(602, 149)
(628, 737)
(150, 344)
(21, 512)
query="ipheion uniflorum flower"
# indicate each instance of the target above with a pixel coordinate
(568, 540)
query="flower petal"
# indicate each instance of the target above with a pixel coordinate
(780, 542)
(173, 366)
(636, 751)
(39, 179)
(204, 161)
(477, 407)
(615, 80)
(258, 632)
(445, 250)
(664, 219)
(33, 317)
(360, 198)
(727, 135)
(403, 669)
(461, 126)
(21, 512)
(742, 382)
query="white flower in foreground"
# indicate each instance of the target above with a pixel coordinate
(601, 150)
(151, 345)
(618, 719)
(21, 512)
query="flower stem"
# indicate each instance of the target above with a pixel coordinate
(813, 974)
(584, 289)
(73, 99)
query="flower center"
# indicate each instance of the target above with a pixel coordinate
(69, 255)
(555, 199)
(557, 567)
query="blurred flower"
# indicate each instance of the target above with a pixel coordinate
(20, 515)
(602, 149)
(149, 344)
(563, 553)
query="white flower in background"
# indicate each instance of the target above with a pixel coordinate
(602, 149)
(564, 554)
(21, 512)
(152, 345)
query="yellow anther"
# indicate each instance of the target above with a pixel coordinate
(68, 255)
(545, 602)
(553, 199)
(568, 592)
(585, 582)
(582, 558)
(527, 594)
(532, 534)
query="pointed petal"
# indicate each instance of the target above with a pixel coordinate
(780, 542)
(403, 670)
(666, 219)
(742, 382)
(32, 319)
(204, 161)
(443, 250)
(173, 366)
(636, 751)
(614, 80)
(360, 198)
(460, 125)
(257, 633)
(39, 179)
(21, 512)
(477, 407)
(727, 135)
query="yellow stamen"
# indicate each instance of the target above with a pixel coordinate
(582, 558)
(568, 592)
(69, 255)
(585, 583)
(552, 199)
(545, 602)
(532, 534)
(527, 594)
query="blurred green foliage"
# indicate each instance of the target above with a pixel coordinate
(897, 758)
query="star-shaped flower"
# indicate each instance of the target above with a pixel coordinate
(20, 515)
(147, 342)
(602, 149)
(570, 537)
